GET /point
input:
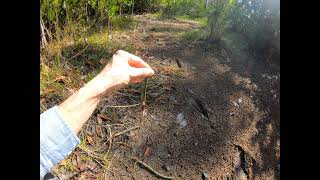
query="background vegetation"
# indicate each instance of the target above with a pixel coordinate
(257, 21)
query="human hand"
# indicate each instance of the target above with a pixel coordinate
(125, 68)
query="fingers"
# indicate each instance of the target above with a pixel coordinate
(133, 60)
(137, 62)
(138, 69)
(141, 72)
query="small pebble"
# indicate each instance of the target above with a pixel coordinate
(181, 120)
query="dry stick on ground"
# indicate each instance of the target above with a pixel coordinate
(94, 157)
(114, 135)
(106, 156)
(110, 141)
(111, 136)
(151, 169)
(125, 106)
(130, 129)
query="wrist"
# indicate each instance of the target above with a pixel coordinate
(101, 85)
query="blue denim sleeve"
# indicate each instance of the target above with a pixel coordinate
(57, 140)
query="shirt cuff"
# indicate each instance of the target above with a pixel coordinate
(57, 139)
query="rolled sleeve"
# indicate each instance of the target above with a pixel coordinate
(57, 140)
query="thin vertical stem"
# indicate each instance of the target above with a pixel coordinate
(144, 101)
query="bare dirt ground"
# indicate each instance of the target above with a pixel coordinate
(209, 115)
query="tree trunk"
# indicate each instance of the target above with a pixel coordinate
(132, 8)
(43, 40)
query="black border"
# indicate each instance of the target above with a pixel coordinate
(20, 73)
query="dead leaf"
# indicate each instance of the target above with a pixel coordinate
(103, 117)
(80, 165)
(99, 119)
(90, 140)
(146, 152)
(99, 131)
(137, 53)
(168, 88)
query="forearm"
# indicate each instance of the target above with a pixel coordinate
(78, 108)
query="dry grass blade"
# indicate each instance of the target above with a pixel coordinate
(108, 167)
(128, 130)
(78, 53)
(92, 155)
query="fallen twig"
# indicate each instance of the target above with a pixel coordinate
(151, 169)
(125, 106)
(130, 129)
(178, 63)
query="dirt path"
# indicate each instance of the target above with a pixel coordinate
(208, 114)
(213, 116)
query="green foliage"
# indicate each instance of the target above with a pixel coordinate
(193, 8)
(203, 21)
(219, 18)
(122, 22)
(194, 35)
(257, 21)
(75, 16)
